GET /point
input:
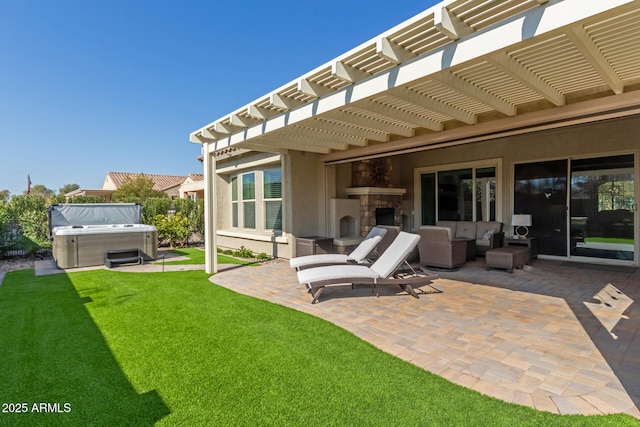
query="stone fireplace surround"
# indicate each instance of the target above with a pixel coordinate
(372, 198)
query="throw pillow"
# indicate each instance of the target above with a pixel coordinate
(488, 235)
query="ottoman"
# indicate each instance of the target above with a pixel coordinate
(507, 258)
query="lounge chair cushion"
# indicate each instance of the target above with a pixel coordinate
(358, 255)
(368, 244)
(333, 272)
(384, 266)
(304, 261)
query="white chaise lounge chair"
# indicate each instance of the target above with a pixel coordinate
(358, 256)
(382, 272)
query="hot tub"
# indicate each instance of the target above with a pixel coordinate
(83, 245)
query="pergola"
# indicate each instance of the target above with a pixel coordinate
(461, 71)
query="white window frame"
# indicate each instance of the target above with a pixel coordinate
(417, 184)
(259, 200)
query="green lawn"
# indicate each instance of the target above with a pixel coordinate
(196, 256)
(136, 349)
(609, 240)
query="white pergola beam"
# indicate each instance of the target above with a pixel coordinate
(302, 136)
(242, 121)
(459, 84)
(392, 52)
(525, 76)
(313, 89)
(347, 73)
(502, 37)
(590, 51)
(276, 142)
(260, 112)
(416, 98)
(376, 125)
(449, 24)
(225, 128)
(284, 102)
(212, 134)
(404, 116)
(262, 147)
(342, 127)
(333, 135)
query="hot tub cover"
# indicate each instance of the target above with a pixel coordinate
(81, 214)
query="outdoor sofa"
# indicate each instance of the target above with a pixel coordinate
(486, 235)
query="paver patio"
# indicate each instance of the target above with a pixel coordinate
(554, 337)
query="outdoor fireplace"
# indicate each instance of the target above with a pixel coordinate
(375, 201)
(385, 216)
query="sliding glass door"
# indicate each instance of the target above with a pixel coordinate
(541, 191)
(603, 207)
(580, 207)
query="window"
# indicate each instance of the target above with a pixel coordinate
(248, 200)
(234, 202)
(273, 199)
(256, 200)
(464, 194)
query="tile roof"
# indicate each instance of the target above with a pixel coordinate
(161, 182)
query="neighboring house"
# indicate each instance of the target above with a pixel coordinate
(471, 110)
(172, 185)
(192, 187)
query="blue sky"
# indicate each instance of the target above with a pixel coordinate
(88, 87)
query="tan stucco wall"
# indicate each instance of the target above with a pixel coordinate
(226, 169)
(307, 194)
(602, 138)
(306, 175)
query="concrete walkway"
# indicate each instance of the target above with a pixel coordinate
(556, 338)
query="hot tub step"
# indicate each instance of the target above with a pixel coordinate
(122, 256)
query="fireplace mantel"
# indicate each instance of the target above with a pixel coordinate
(382, 191)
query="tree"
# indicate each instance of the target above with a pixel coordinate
(136, 189)
(41, 190)
(68, 188)
(4, 195)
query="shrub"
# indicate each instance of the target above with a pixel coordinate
(262, 256)
(29, 214)
(194, 212)
(154, 206)
(243, 252)
(172, 228)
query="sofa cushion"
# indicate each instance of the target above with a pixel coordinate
(466, 229)
(483, 242)
(440, 236)
(484, 226)
(451, 225)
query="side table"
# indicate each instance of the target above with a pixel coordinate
(527, 242)
(313, 245)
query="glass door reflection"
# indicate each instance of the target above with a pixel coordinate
(603, 208)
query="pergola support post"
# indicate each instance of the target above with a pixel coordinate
(210, 211)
